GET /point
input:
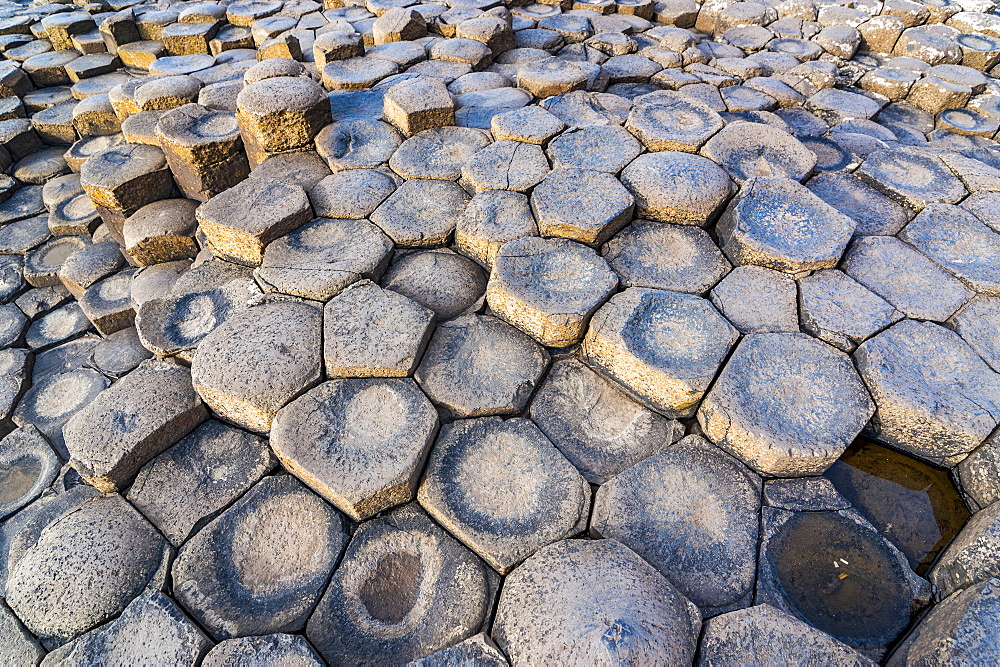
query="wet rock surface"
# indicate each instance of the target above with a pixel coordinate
(367, 311)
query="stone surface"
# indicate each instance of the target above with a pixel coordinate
(691, 512)
(970, 559)
(260, 567)
(581, 205)
(491, 219)
(503, 489)
(677, 187)
(585, 601)
(400, 567)
(662, 347)
(813, 407)
(421, 212)
(254, 363)
(29, 467)
(440, 280)
(360, 443)
(276, 648)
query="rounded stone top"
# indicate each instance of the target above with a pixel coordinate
(678, 187)
(271, 68)
(120, 164)
(280, 93)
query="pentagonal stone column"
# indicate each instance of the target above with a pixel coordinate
(123, 179)
(663, 347)
(280, 114)
(786, 404)
(576, 600)
(660, 506)
(292, 539)
(580, 204)
(476, 365)
(249, 367)
(503, 489)
(548, 288)
(278, 209)
(204, 150)
(359, 443)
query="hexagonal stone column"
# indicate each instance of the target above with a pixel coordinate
(85, 567)
(152, 625)
(404, 590)
(755, 150)
(580, 204)
(786, 404)
(549, 288)
(692, 512)
(262, 564)
(476, 366)
(258, 360)
(418, 104)
(174, 492)
(970, 558)
(138, 417)
(421, 212)
(596, 425)
(580, 601)
(204, 150)
(662, 347)
(912, 177)
(778, 223)
(766, 635)
(677, 187)
(32, 466)
(939, 416)
(280, 114)
(372, 332)
(359, 443)
(671, 121)
(269, 649)
(278, 208)
(503, 489)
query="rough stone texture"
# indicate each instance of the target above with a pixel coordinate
(491, 219)
(440, 280)
(254, 363)
(911, 177)
(874, 213)
(200, 475)
(840, 311)
(280, 114)
(670, 121)
(421, 212)
(270, 649)
(152, 628)
(418, 104)
(503, 489)
(404, 590)
(478, 650)
(360, 443)
(581, 205)
(581, 601)
(549, 288)
(84, 568)
(970, 559)
(476, 366)
(766, 635)
(261, 565)
(691, 512)
(320, 258)
(662, 347)
(786, 404)
(958, 241)
(17, 646)
(677, 187)
(752, 150)
(29, 465)
(161, 232)
(935, 397)
(53, 400)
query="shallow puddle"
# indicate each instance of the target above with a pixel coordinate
(841, 578)
(17, 478)
(912, 504)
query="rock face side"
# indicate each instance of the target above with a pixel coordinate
(580, 602)
(17, 646)
(85, 568)
(404, 590)
(135, 419)
(262, 564)
(249, 367)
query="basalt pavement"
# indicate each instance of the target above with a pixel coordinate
(484, 332)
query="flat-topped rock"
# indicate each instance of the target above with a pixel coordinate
(766, 634)
(874, 213)
(418, 104)
(491, 219)
(840, 311)
(970, 559)
(958, 241)
(671, 121)
(249, 367)
(260, 567)
(152, 627)
(662, 347)
(278, 207)
(677, 187)
(503, 489)
(17, 645)
(276, 648)
(54, 399)
(912, 177)
(203, 148)
(280, 114)
(605, 148)
(941, 416)
(479, 650)
(85, 567)
(581, 205)
(162, 231)
(351, 194)
(421, 212)
(691, 512)
(357, 144)
(398, 567)
(174, 492)
(786, 404)
(320, 258)
(549, 288)
(360, 443)
(445, 282)
(30, 466)
(476, 366)
(548, 605)
(505, 165)
(439, 152)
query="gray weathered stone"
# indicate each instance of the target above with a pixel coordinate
(29, 465)
(491, 219)
(261, 565)
(605, 148)
(874, 213)
(958, 241)
(280, 114)
(478, 650)
(581, 205)
(440, 280)
(752, 150)
(17, 646)
(351, 194)
(671, 121)
(912, 177)
(276, 648)
(421, 212)
(971, 558)
(438, 153)
(52, 401)
(677, 187)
